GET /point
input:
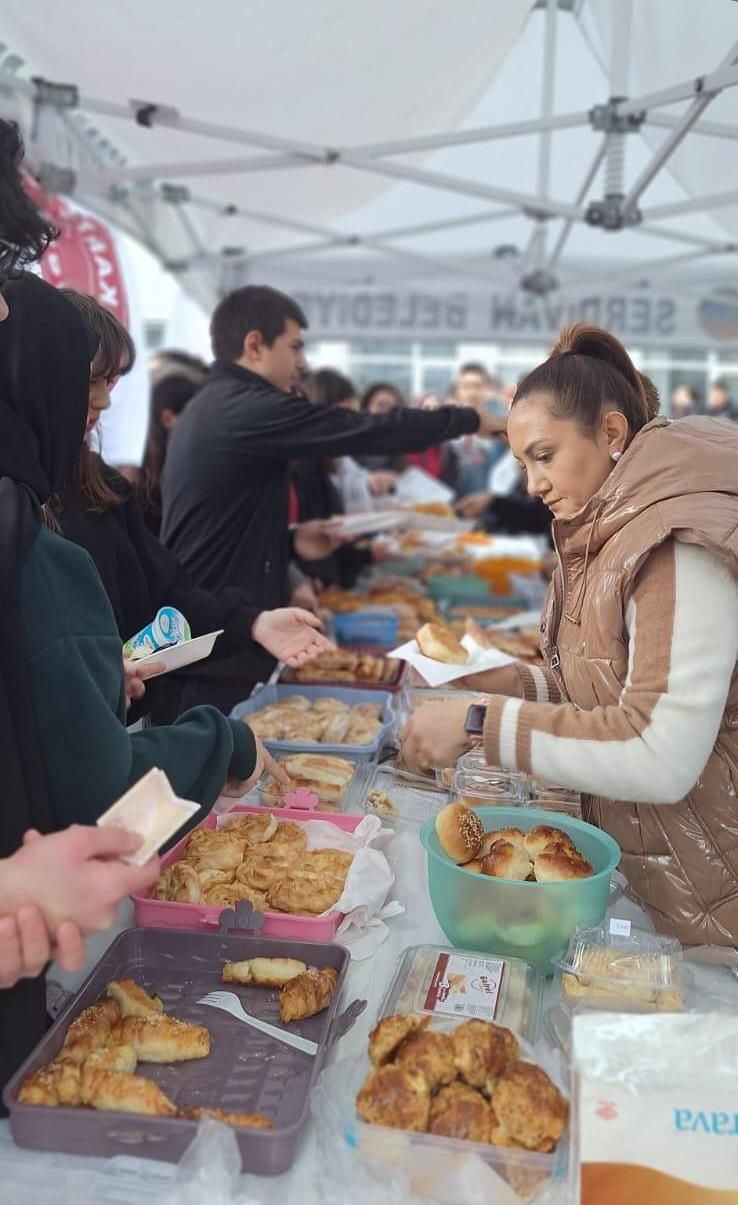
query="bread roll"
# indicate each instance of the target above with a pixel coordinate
(542, 835)
(459, 831)
(514, 835)
(507, 861)
(555, 867)
(441, 644)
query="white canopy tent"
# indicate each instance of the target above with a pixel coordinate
(338, 143)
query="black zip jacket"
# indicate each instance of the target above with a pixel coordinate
(224, 487)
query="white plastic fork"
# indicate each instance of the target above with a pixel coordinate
(230, 1003)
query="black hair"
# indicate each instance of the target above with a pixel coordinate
(326, 387)
(473, 366)
(20, 221)
(116, 351)
(253, 308)
(588, 370)
(381, 387)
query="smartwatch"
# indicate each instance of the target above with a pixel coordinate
(475, 717)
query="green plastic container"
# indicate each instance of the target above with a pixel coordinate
(460, 588)
(532, 921)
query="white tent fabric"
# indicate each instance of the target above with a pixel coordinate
(276, 88)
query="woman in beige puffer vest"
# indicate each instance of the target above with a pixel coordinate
(637, 707)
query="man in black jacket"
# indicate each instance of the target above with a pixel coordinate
(225, 482)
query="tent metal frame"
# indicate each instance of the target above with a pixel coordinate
(119, 189)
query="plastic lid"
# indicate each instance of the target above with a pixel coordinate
(395, 798)
(613, 962)
(480, 786)
(548, 793)
(455, 985)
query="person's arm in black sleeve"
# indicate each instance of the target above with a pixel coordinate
(277, 424)
(515, 515)
(171, 585)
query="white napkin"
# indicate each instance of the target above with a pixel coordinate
(436, 673)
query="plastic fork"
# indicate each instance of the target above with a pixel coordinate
(230, 1003)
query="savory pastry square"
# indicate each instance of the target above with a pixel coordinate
(393, 1096)
(289, 836)
(530, 1107)
(227, 895)
(459, 1111)
(266, 865)
(482, 1051)
(178, 883)
(305, 893)
(430, 1053)
(390, 1032)
(254, 829)
(335, 862)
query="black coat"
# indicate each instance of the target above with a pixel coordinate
(225, 481)
(318, 498)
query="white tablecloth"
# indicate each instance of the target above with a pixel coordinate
(29, 1177)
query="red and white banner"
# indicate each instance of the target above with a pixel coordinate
(84, 256)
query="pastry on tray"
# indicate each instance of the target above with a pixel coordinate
(162, 1039)
(305, 892)
(430, 1053)
(307, 994)
(393, 1096)
(459, 1111)
(252, 1121)
(132, 1000)
(263, 972)
(529, 1107)
(482, 1052)
(388, 1034)
(90, 1030)
(120, 1092)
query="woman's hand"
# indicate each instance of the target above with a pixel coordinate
(318, 538)
(434, 736)
(473, 505)
(136, 673)
(291, 634)
(265, 764)
(75, 875)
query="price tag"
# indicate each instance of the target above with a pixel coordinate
(618, 927)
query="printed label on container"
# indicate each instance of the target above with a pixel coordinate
(465, 987)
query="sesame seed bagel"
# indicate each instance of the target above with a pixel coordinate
(460, 832)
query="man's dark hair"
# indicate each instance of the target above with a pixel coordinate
(473, 366)
(20, 221)
(326, 387)
(253, 308)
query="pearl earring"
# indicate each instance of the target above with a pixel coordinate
(615, 456)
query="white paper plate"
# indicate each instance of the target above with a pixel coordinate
(436, 673)
(180, 655)
(366, 523)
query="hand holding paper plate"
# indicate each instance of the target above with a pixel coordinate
(438, 673)
(167, 643)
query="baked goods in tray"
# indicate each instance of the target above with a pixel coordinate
(96, 1066)
(460, 832)
(326, 776)
(544, 855)
(263, 972)
(274, 870)
(252, 1121)
(327, 722)
(440, 644)
(343, 665)
(487, 1094)
(307, 994)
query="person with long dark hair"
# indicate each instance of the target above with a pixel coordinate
(637, 705)
(174, 382)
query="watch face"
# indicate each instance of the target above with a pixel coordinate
(475, 718)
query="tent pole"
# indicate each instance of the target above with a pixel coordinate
(430, 142)
(714, 129)
(666, 150)
(207, 167)
(536, 250)
(719, 200)
(580, 198)
(715, 82)
(676, 236)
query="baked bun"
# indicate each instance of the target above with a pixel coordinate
(507, 861)
(392, 1096)
(529, 1107)
(459, 1111)
(441, 644)
(459, 831)
(475, 866)
(542, 835)
(514, 835)
(553, 866)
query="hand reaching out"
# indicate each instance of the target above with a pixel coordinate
(291, 634)
(265, 764)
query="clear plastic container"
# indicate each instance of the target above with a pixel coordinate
(456, 984)
(397, 801)
(451, 1170)
(272, 795)
(554, 799)
(487, 788)
(635, 969)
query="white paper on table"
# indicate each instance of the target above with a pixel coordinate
(415, 485)
(436, 673)
(368, 522)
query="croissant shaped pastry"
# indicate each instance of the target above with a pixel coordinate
(54, 1084)
(161, 1039)
(132, 1000)
(90, 1031)
(119, 1091)
(307, 994)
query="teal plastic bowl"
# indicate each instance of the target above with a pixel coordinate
(532, 921)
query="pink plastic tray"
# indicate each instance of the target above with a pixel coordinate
(165, 914)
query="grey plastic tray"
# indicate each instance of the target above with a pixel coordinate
(277, 694)
(245, 1071)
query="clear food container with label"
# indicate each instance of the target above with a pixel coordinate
(487, 788)
(395, 798)
(614, 965)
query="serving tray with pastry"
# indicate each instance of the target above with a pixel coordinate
(336, 721)
(136, 1058)
(254, 855)
(439, 657)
